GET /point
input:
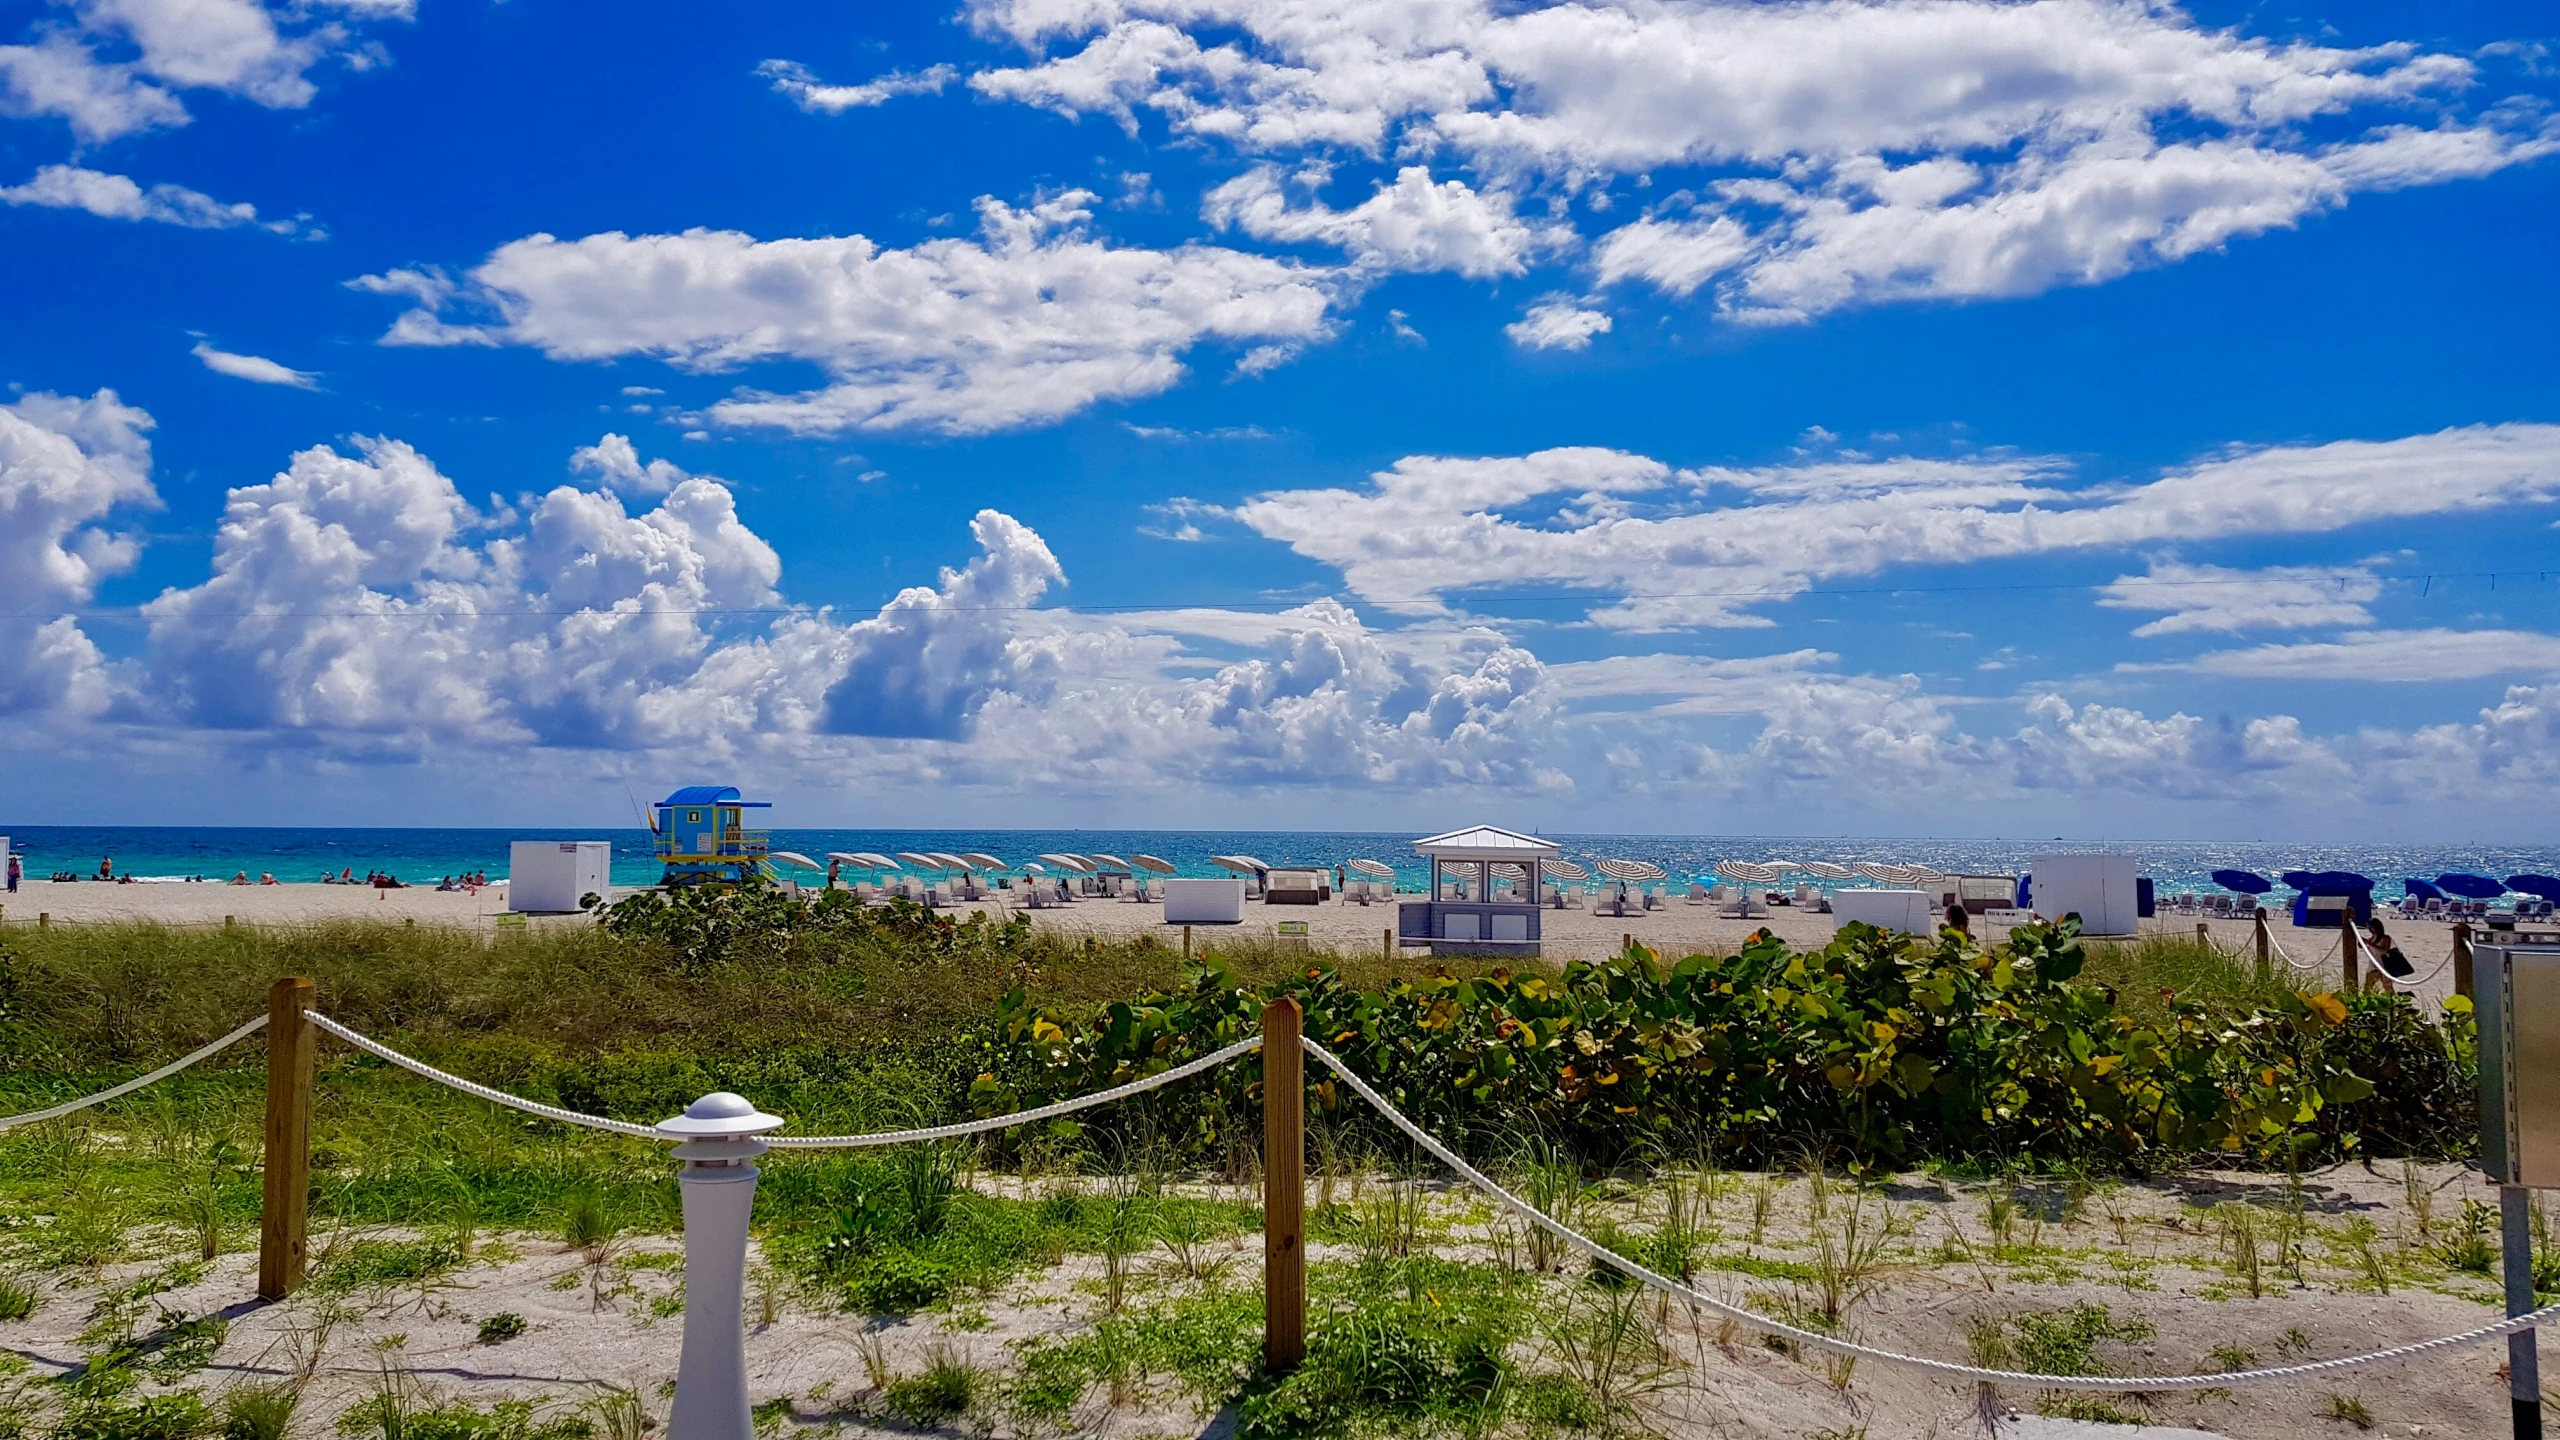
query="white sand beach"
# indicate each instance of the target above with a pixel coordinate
(1334, 925)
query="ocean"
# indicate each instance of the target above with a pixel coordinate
(426, 855)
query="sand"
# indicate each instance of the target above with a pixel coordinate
(1336, 925)
(2152, 1251)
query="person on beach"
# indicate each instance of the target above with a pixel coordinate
(2386, 955)
(107, 868)
(240, 879)
(16, 870)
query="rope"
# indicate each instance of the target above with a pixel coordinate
(788, 1142)
(424, 1070)
(56, 1112)
(1183, 1071)
(1816, 1340)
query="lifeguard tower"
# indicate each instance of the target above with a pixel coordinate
(703, 839)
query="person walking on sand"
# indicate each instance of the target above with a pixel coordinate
(16, 869)
(107, 867)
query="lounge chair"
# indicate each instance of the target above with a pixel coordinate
(1697, 893)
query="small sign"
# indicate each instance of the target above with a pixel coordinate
(510, 922)
(1293, 928)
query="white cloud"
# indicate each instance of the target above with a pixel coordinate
(2390, 655)
(2212, 597)
(1558, 323)
(229, 47)
(2031, 144)
(1711, 546)
(806, 90)
(1412, 224)
(255, 368)
(616, 461)
(119, 197)
(1031, 322)
(65, 465)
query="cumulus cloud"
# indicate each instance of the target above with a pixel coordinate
(1032, 321)
(795, 80)
(1842, 152)
(2215, 598)
(1558, 323)
(616, 461)
(230, 47)
(1714, 545)
(1411, 224)
(119, 197)
(66, 464)
(257, 369)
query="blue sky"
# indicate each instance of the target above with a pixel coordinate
(1946, 418)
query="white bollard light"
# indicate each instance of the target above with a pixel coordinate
(718, 1184)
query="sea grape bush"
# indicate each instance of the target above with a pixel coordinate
(1881, 1047)
(705, 924)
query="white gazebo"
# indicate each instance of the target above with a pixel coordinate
(1478, 924)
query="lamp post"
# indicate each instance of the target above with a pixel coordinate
(718, 1184)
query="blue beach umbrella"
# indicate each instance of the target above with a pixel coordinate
(2295, 879)
(2472, 887)
(2541, 887)
(2421, 889)
(2243, 882)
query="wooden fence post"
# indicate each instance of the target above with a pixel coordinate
(2462, 958)
(284, 1216)
(2347, 946)
(2204, 935)
(1186, 942)
(1284, 1187)
(2263, 939)
(1387, 945)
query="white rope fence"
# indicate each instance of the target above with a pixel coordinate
(422, 1069)
(426, 1071)
(1816, 1340)
(1184, 1071)
(1571, 1238)
(56, 1112)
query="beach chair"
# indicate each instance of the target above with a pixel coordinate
(1697, 893)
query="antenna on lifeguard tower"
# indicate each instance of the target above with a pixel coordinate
(646, 822)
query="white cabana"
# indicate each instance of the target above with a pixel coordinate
(1480, 924)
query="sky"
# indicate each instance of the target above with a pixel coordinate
(1915, 417)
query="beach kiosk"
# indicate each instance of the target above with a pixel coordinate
(1481, 923)
(703, 837)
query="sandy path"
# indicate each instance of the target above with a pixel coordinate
(1337, 925)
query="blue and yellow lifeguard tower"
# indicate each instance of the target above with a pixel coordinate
(703, 837)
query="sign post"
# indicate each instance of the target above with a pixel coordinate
(2519, 1015)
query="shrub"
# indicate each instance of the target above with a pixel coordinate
(500, 1328)
(259, 1412)
(1883, 1045)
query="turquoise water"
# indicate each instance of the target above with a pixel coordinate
(426, 855)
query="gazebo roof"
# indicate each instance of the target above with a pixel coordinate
(1487, 842)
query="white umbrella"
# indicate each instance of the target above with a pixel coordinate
(1780, 865)
(1108, 862)
(1922, 874)
(1566, 870)
(1510, 871)
(1152, 864)
(950, 861)
(1881, 873)
(1746, 872)
(985, 861)
(919, 862)
(794, 857)
(1373, 869)
(1825, 870)
(1035, 868)
(1073, 863)
(1238, 863)
(847, 857)
(1630, 870)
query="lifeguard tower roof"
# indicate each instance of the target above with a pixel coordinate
(1487, 842)
(712, 795)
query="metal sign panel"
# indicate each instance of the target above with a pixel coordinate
(2519, 1012)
